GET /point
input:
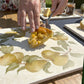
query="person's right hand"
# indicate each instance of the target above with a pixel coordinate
(32, 8)
(58, 6)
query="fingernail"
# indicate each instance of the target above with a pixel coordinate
(37, 27)
(32, 29)
(23, 28)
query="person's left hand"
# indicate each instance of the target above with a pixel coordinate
(58, 6)
(32, 8)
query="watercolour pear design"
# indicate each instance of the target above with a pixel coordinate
(35, 66)
(55, 57)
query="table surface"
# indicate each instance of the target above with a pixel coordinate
(9, 19)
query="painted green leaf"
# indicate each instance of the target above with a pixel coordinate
(20, 33)
(25, 58)
(46, 67)
(6, 49)
(12, 67)
(33, 58)
(5, 36)
(59, 42)
(52, 29)
(70, 63)
(20, 69)
(20, 30)
(58, 34)
(71, 42)
(57, 48)
(63, 44)
(76, 54)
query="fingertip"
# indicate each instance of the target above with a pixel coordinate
(32, 30)
(23, 28)
(37, 27)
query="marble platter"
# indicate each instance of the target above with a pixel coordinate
(74, 28)
(26, 77)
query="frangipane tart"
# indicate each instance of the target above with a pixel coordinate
(38, 37)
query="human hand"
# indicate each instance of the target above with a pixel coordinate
(58, 6)
(32, 8)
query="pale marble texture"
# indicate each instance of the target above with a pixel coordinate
(26, 77)
(75, 29)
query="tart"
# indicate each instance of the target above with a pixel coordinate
(38, 37)
(82, 24)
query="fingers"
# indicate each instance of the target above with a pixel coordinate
(37, 15)
(61, 7)
(19, 18)
(54, 5)
(33, 10)
(31, 20)
(23, 19)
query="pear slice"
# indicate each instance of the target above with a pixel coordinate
(35, 66)
(7, 59)
(55, 57)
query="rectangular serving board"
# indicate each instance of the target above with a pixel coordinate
(74, 28)
(63, 16)
(26, 77)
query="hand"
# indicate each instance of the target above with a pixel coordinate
(58, 6)
(32, 8)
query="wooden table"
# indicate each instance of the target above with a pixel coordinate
(9, 19)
